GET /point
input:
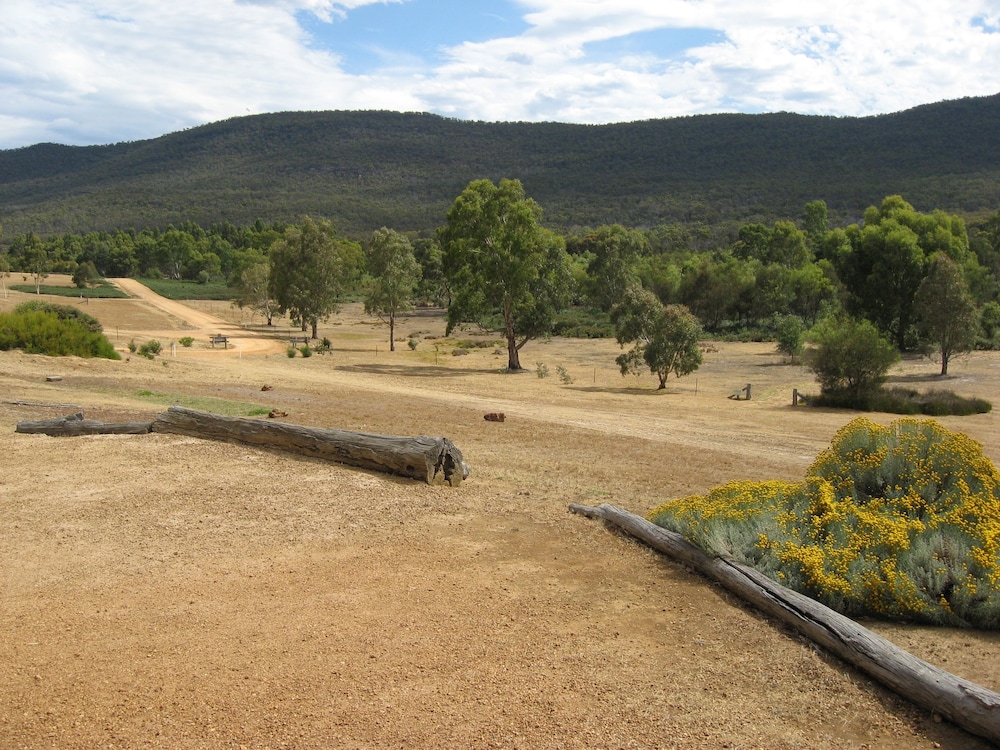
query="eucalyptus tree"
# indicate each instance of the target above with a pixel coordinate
(394, 275)
(947, 313)
(311, 266)
(888, 258)
(254, 290)
(505, 271)
(664, 338)
(615, 254)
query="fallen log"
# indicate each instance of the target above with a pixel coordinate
(73, 425)
(434, 460)
(964, 703)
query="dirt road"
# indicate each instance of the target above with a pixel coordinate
(202, 324)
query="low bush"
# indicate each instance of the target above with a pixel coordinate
(46, 331)
(934, 403)
(63, 312)
(579, 323)
(150, 349)
(900, 522)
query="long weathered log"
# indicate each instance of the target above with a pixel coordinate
(434, 460)
(74, 424)
(970, 706)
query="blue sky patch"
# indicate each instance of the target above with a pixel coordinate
(663, 44)
(410, 33)
(987, 25)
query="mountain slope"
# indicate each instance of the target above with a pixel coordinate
(369, 169)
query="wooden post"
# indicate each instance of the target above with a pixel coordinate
(747, 389)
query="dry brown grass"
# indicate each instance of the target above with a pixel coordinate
(169, 592)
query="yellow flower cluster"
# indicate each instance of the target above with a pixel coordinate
(900, 521)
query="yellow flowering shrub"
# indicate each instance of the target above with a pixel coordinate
(900, 522)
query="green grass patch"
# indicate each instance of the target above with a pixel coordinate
(207, 404)
(104, 290)
(182, 290)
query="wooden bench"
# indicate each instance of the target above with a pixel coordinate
(219, 339)
(299, 340)
(741, 394)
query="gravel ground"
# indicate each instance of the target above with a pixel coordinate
(165, 591)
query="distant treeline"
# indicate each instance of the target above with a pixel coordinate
(364, 170)
(803, 267)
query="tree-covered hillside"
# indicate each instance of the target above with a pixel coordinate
(364, 170)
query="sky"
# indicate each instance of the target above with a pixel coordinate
(86, 72)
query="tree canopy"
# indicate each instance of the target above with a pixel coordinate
(310, 266)
(850, 358)
(664, 337)
(946, 312)
(394, 274)
(506, 272)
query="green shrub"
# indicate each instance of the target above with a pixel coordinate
(564, 377)
(150, 349)
(934, 403)
(580, 323)
(305, 350)
(85, 275)
(291, 352)
(185, 341)
(541, 369)
(413, 344)
(901, 522)
(850, 358)
(43, 331)
(789, 333)
(63, 312)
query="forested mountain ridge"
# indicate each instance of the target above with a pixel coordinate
(364, 170)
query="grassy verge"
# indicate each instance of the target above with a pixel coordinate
(181, 290)
(207, 404)
(104, 290)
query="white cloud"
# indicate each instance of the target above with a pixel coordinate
(99, 71)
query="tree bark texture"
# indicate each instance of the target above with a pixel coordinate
(970, 706)
(74, 424)
(433, 460)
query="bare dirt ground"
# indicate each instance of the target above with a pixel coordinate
(162, 591)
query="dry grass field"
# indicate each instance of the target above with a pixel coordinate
(168, 592)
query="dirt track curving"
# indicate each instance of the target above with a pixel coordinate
(160, 591)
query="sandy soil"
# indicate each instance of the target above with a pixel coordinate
(161, 591)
